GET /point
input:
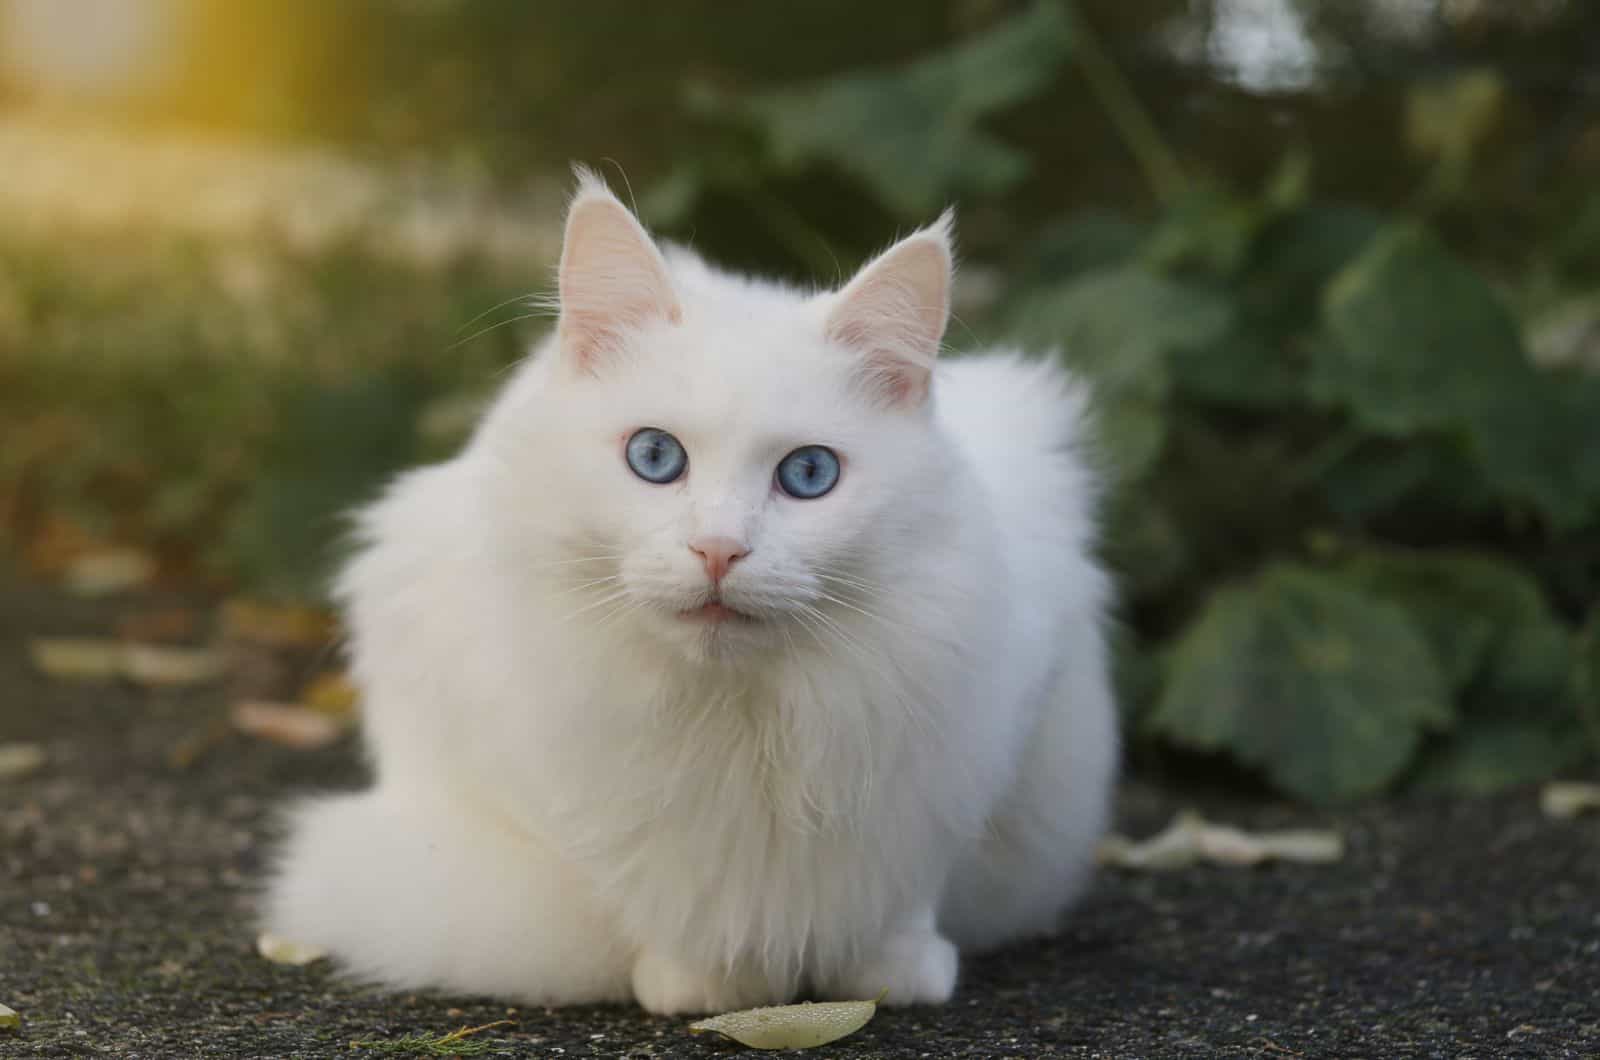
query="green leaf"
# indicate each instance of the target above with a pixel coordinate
(1485, 755)
(1308, 678)
(1448, 118)
(913, 134)
(334, 448)
(1144, 544)
(1085, 240)
(1207, 228)
(1424, 476)
(1295, 257)
(1474, 610)
(1586, 677)
(1528, 671)
(1423, 344)
(1242, 368)
(1117, 326)
(1422, 341)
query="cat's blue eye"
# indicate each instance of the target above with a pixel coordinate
(656, 456)
(808, 472)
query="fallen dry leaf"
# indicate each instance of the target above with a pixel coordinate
(76, 658)
(802, 1026)
(158, 664)
(276, 625)
(331, 693)
(284, 951)
(19, 759)
(288, 724)
(1568, 798)
(1190, 838)
(100, 659)
(9, 1020)
(108, 571)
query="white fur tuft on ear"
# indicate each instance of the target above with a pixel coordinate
(894, 312)
(612, 277)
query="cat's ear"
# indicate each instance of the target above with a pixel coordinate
(894, 312)
(612, 277)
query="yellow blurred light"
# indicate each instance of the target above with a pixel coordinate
(87, 49)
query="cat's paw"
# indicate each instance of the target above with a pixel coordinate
(666, 987)
(914, 969)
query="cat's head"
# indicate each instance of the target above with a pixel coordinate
(724, 463)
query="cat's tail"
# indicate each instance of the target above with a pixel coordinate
(415, 892)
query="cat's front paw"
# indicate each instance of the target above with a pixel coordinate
(914, 969)
(665, 986)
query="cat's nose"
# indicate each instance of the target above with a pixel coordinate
(718, 554)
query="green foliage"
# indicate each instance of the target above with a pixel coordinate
(912, 135)
(227, 425)
(1325, 688)
(332, 449)
(1121, 325)
(1356, 522)
(1357, 525)
(1422, 344)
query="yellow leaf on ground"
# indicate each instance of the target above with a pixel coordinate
(101, 659)
(285, 951)
(803, 1026)
(1567, 798)
(331, 693)
(76, 658)
(288, 724)
(157, 664)
(276, 625)
(1190, 838)
(108, 571)
(20, 759)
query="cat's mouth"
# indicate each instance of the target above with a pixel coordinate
(714, 611)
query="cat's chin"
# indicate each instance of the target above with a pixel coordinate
(713, 631)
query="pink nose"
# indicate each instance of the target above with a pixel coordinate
(718, 554)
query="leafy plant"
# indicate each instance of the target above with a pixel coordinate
(1356, 520)
(1358, 526)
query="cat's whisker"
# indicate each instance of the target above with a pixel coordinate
(599, 557)
(591, 584)
(915, 717)
(874, 616)
(865, 587)
(609, 598)
(492, 327)
(494, 309)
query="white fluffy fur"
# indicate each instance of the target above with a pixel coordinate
(583, 796)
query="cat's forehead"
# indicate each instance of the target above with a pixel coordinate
(756, 367)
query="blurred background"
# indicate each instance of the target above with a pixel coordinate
(1333, 265)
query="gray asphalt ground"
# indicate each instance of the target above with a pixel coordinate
(1453, 928)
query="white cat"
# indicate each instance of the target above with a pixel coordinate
(744, 653)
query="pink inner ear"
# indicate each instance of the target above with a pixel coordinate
(612, 279)
(894, 313)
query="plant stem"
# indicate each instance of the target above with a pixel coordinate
(1133, 123)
